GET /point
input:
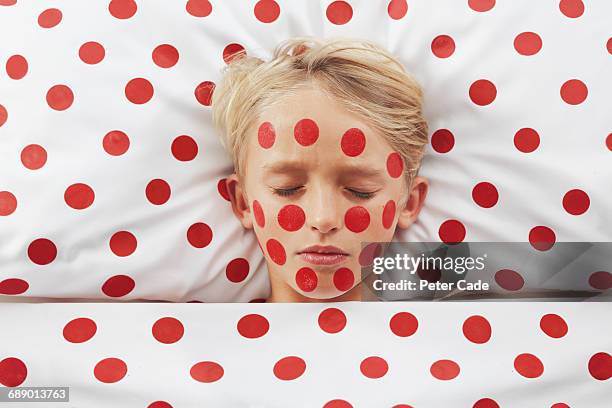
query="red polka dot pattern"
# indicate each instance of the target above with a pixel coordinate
(601, 280)
(600, 366)
(452, 231)
(116, 143)
(443, 46)
(204, 92)
(207, 371)
(388, 215)
(184, 148)
(306, 279)
(16, 67)
(553, 325)
(276, 251)
(481, 5)
(8, 203)
(139, 91)
(576, 202)
(92, 52)
(509, 279)
(258, 213)
(442, 140)
(332, 320)
(483, 92)
(343, 279)
(237, 270)
(306, 132)
(50, 18)
(369, 252)
(13, 372)
(232, 51)
(168, 330)
(3, 115)
(33, 156)
(353, 142)
(13, 286)
(79, 330)
(395, 165)
(165, 56)
(199, 235)
(571, 8)
(222, 189)
(404, 324)
(253, 326)
(486, 403)
(79, 196)
(289, 368)
(337, 403)
(397, 9)
(110, 370)
(122, 9)
(339, 12)
(526, 140)
(527, 43)
(118, 286)
(574, 92)
(42, 251)
(528, 365)
(485, 194)
(158, 191)
(542, 238)
(266, 135)
(374, 367)
(199, 8)
(357, 219)
(267, 11)
(60, 97)
(445, 370)
(477, 329)
(291, 217)
(123, 243)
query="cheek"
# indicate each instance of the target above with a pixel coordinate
(291, 218)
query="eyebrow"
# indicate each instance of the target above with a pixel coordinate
(284, 167)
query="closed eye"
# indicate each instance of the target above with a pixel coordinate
(285, 192)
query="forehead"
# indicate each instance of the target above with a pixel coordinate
(333, 121)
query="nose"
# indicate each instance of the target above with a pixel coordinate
(322, 210)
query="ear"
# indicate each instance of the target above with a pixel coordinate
(416, 198)
(239, 200)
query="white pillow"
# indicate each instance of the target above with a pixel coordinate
(111, 172)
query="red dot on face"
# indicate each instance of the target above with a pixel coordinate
(306, 132)
(123, 243)
(13, 286)
(477, 329)
(486, 403)
(485, 194)
(222, 189)
(601, 280)
(267, 11)
(600, 366)
(116, 143)
(481, 5)
(204, 92)
(206, 371)
(184, 148)
(42, 251)
(158, 191)
(397, 9)
(339, 12)
(291, 217)
(3, 115)
(13, 372)
(509, 279)
(232, 51)
(571, 8)
(527, 43)
(110, 370)
(403, 324)
(139, 91)
(8, 203)
(33, 156)
(574, 92)
(483, 92)
(79, 196)
(80, 330)
(276, 251)
(395, 165)
(444, 369)
(576, 202)
(353, 142)
(306, 279)
(369, 252)
(442, 140)
(542, 238)
(168, 330)
(253, 326)
(374, 367)
(49, 18)
(199, 235)
(553, 325)
(452, 231)
(332, 320)
(60, 97)
(337, 403)
(199, 8)
(266, 135)
(165, 56)
(91, 52)
(526, 140)
(16, 67)
(343, 279)
(122, 9)
(357, 219)
(260, 219)
(289, 368)
(528, 365)
(388, 214)
(443, 46)
(118, 285)
(237, 270)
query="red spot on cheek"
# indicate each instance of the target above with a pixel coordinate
(395, 165)
(353, 142)
(276, 251)
(388, 214)
(260, 219)
(266, 135)
(306, 279)
(357, 218)
(306, 132)
(344, 279)
(368, 253)
(291, 217)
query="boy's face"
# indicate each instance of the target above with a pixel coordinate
(316, 175)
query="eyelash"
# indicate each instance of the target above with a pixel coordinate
(285, 192)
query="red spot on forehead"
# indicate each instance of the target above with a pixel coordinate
(344, 279)
(258, 213)
(353, 142)
(306, 132)
(291, 217)
(357, 218)
(276, 251)
(388, 214)
(306, 279)
(266, 135)
(395, 165)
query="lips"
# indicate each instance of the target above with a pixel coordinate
(323, 255)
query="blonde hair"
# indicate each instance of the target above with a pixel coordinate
(366, 79)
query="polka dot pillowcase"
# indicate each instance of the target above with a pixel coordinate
(112, 176)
